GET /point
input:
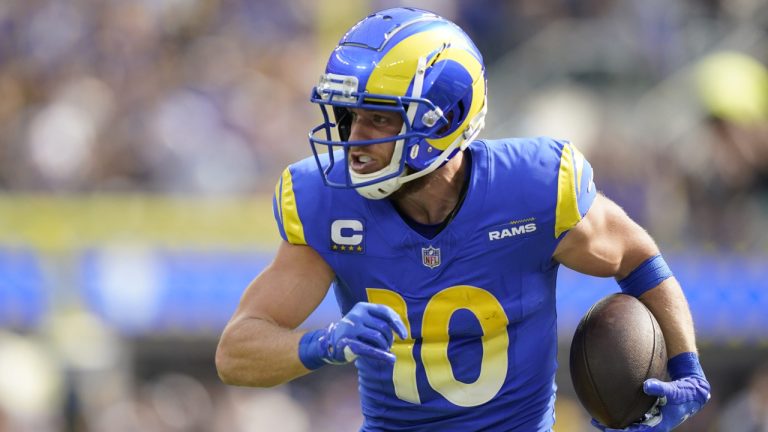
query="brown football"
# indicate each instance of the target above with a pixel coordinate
(617, 345)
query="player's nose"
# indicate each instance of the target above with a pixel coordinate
(359, 132)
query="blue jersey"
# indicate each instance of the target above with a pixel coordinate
(478, 299)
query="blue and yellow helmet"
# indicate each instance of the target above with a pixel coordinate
(409, 61)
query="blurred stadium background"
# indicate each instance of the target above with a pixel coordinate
(140, 141)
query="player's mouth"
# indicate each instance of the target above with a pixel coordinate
(362, 163)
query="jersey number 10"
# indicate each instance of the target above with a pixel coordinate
(434, 347)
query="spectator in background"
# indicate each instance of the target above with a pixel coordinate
(124, 96)
(729, 196)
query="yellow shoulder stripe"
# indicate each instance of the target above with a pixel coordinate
(578, 162)
(567, 213)
(278, 200)
(289, 212)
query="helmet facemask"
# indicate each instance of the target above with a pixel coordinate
(341, 94)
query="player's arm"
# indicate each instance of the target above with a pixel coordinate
(259, 345)
(606, 242)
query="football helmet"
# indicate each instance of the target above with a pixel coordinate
(408, 61)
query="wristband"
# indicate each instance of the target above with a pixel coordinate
(683, 365)
(308, 349)
(647, 275)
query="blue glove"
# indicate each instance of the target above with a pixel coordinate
(679, 399)
(366, 331)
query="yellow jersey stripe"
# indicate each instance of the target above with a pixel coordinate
(294, 230)
(278, 201)
(578, 162)
(567, 211)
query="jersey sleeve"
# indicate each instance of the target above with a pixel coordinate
(285, 208)
(575, 188)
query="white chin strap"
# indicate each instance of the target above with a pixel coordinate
(385, 188)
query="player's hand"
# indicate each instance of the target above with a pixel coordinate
(365, 331)
(678, 399)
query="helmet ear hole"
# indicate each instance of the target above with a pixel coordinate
(446, 128)
(462, 111)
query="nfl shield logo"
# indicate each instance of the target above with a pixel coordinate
(430, 257)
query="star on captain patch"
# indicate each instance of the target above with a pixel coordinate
(430, 256)
(348, 236)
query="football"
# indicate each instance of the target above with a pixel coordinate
(617, 345)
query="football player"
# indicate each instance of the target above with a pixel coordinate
(442, 249)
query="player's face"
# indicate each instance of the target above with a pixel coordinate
(370, 124)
